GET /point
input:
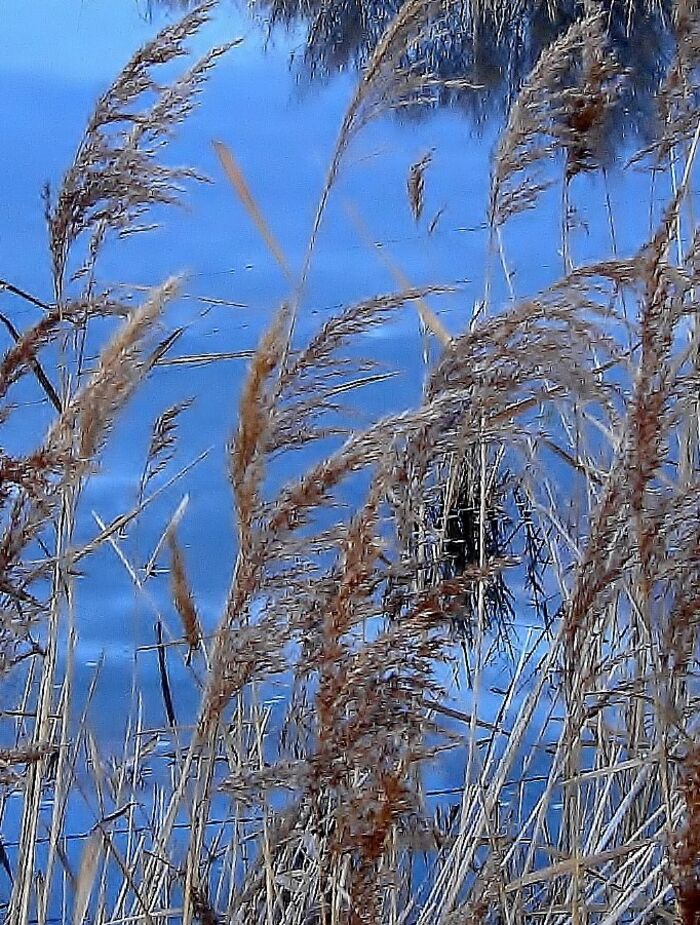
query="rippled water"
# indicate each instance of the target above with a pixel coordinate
(57, 57)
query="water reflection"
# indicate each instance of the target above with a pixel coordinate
(489, 46)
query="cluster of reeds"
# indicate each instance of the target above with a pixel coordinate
(476, 55)
(115, 178)
(513, 590)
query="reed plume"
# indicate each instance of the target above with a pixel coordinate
(182, 596)
(115, 177)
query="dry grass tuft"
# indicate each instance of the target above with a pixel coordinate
(563, 108)
(183, 597)
(115, 177)
(686, 853)
(415, 184)
(121, 367)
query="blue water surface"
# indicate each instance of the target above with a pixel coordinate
(56, 58)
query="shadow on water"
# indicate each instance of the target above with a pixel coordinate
(476, 55)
